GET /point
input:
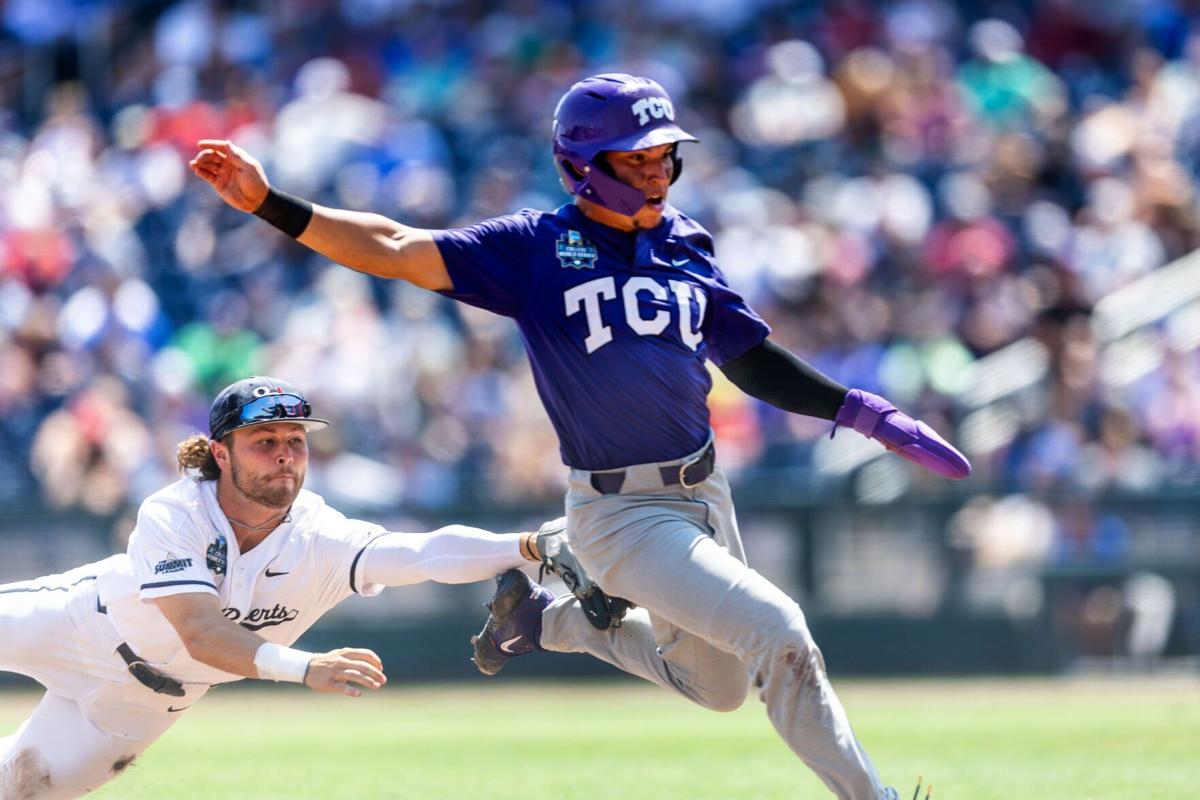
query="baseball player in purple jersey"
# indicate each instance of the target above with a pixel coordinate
(225, 569)
(620, 301)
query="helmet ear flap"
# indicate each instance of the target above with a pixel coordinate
(676, 163)
(569, 168)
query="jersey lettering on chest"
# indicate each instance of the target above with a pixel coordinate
(587, 297)
(258, 618)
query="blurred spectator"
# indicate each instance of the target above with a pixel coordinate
(1007, 88)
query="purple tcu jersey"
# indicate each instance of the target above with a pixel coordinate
(617, 325)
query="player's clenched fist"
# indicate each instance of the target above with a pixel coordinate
(235, 174)
(347, 670)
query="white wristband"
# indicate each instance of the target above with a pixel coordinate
(278, 663)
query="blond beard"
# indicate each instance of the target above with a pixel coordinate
(261, 490)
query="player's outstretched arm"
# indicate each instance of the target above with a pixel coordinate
(212, 639)
(365, 242)
(774, 375)
(461, 554)
(453, 554)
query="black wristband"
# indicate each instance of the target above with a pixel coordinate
(290, 214)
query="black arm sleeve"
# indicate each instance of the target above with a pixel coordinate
(775, 376)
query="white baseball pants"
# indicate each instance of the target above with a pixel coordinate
(95, 718)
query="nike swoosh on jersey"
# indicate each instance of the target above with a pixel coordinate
(174, 710)
(680, 262)
(270, 574)
(506, 646)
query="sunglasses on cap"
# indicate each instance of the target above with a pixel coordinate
(274, 406)
(270, 408)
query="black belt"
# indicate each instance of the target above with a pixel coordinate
(147, 675)
(688, 474)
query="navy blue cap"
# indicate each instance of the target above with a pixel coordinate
(259, 400)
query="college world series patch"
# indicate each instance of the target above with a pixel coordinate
(217, 555)
(576, 252)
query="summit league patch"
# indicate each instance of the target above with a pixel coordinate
(575, 252)
(172, 564)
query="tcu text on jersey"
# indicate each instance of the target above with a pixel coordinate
(588, 297)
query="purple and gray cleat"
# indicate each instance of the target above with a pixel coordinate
(514, 624)
(876, 418)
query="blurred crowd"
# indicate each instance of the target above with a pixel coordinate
(902, 189)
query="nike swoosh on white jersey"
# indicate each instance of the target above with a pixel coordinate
(506, 646)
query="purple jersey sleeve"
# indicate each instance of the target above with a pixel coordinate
(731, 327)
(489, 263)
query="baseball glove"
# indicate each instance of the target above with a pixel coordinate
(601, 610)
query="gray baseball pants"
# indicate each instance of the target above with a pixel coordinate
(706, 623)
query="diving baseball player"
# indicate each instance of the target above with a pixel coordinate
(225, 569)
(620, 301)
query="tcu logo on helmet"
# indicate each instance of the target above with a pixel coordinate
(656, 107)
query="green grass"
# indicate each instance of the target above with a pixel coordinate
(1063, 740)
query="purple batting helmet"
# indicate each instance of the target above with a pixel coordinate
(613, 111)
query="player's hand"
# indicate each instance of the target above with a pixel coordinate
(233, 173)
(347, 670)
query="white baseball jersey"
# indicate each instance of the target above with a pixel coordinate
(183, 543)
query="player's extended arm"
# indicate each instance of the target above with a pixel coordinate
(460, 554)
(774, 375)
(362, 241)
(453, 554)
(212, 639)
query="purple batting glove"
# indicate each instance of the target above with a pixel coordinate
(876, 418)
